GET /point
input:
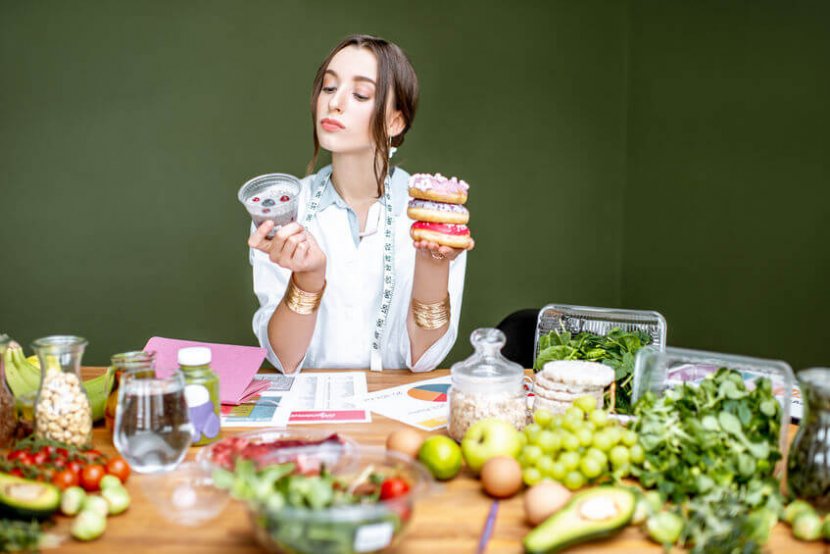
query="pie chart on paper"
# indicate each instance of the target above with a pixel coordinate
(430, 393)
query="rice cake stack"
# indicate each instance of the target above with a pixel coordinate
(563, 381)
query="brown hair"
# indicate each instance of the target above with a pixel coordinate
(395, 75)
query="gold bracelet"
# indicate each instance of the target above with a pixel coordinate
(302, 302)
(431, 316)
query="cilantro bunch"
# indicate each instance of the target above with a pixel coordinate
(618, 350)
(711, 449)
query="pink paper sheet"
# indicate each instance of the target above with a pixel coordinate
(235, 365)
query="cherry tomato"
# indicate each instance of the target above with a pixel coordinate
(92, 455)
(119, 467)
(75, 467)
(393, 487)
(47, 449)
(39, 458)
(25, 459)
(17, 472)
(59, 463)
(62, 453)
(65, 479)
(16, 454)
(91, 477)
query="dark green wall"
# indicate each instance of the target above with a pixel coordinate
(727, 213)
(126, 129)
(664, 155)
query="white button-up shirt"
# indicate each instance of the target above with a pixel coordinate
(354, 273)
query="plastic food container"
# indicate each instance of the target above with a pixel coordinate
(576, 319)
(363, 528)
(657, 371)
(278, 445)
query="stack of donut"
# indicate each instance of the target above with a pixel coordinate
(438, 211)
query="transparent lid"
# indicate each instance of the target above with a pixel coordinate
(487, 370)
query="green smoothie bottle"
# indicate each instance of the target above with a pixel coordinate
(202, 394)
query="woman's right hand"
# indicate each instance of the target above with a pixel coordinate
(293, 248)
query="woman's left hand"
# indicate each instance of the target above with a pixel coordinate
(436, 252)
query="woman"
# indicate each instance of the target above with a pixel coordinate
(346, 288)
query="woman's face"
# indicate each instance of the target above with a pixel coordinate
(347, 101)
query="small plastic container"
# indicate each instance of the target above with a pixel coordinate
(202, 394)
(486, 385)
(658, 371)
(576, 319)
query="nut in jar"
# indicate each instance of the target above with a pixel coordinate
(62, 409)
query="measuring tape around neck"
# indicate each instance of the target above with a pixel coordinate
(388, 264)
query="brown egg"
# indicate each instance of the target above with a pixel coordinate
(543, 500)
(406, 441)
(501, 477)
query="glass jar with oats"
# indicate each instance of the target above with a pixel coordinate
(486, 385)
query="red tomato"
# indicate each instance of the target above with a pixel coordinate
(17, 472)
(48, 449)
(16, 454)
(75, 467)
(120, 468)
(39, 458)
(59, 463)
(65, 479)
(91, 477)
(25, 459)
(393, 487)
(62, 453)
(92, 455)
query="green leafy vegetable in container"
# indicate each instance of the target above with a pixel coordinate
(618, 349)
(711, 449)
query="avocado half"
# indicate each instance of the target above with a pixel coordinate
(24, 499)
(593, 514)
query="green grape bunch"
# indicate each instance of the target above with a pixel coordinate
(580, 447)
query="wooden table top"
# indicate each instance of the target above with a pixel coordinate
(450, 521)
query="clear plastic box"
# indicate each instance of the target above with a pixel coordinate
(576, 319)
(657, 371)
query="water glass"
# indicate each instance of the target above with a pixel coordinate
(152, 423)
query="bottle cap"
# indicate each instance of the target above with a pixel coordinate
(196, 355)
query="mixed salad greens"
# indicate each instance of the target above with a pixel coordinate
(618, 349)
(299, 511)
(711, 450)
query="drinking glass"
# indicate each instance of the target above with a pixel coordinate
(152, 423)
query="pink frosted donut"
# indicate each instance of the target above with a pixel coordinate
(438, 188)
(437, 212)
(447, 234)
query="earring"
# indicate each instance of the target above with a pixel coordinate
(391, 148)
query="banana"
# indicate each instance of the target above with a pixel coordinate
(23, 377)
(98, 389)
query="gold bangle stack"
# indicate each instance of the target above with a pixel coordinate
(302, 302)
(431, 316)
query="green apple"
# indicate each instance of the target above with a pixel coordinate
(442, 457)
(488, 438)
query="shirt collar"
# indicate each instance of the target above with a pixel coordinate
(398, 190)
